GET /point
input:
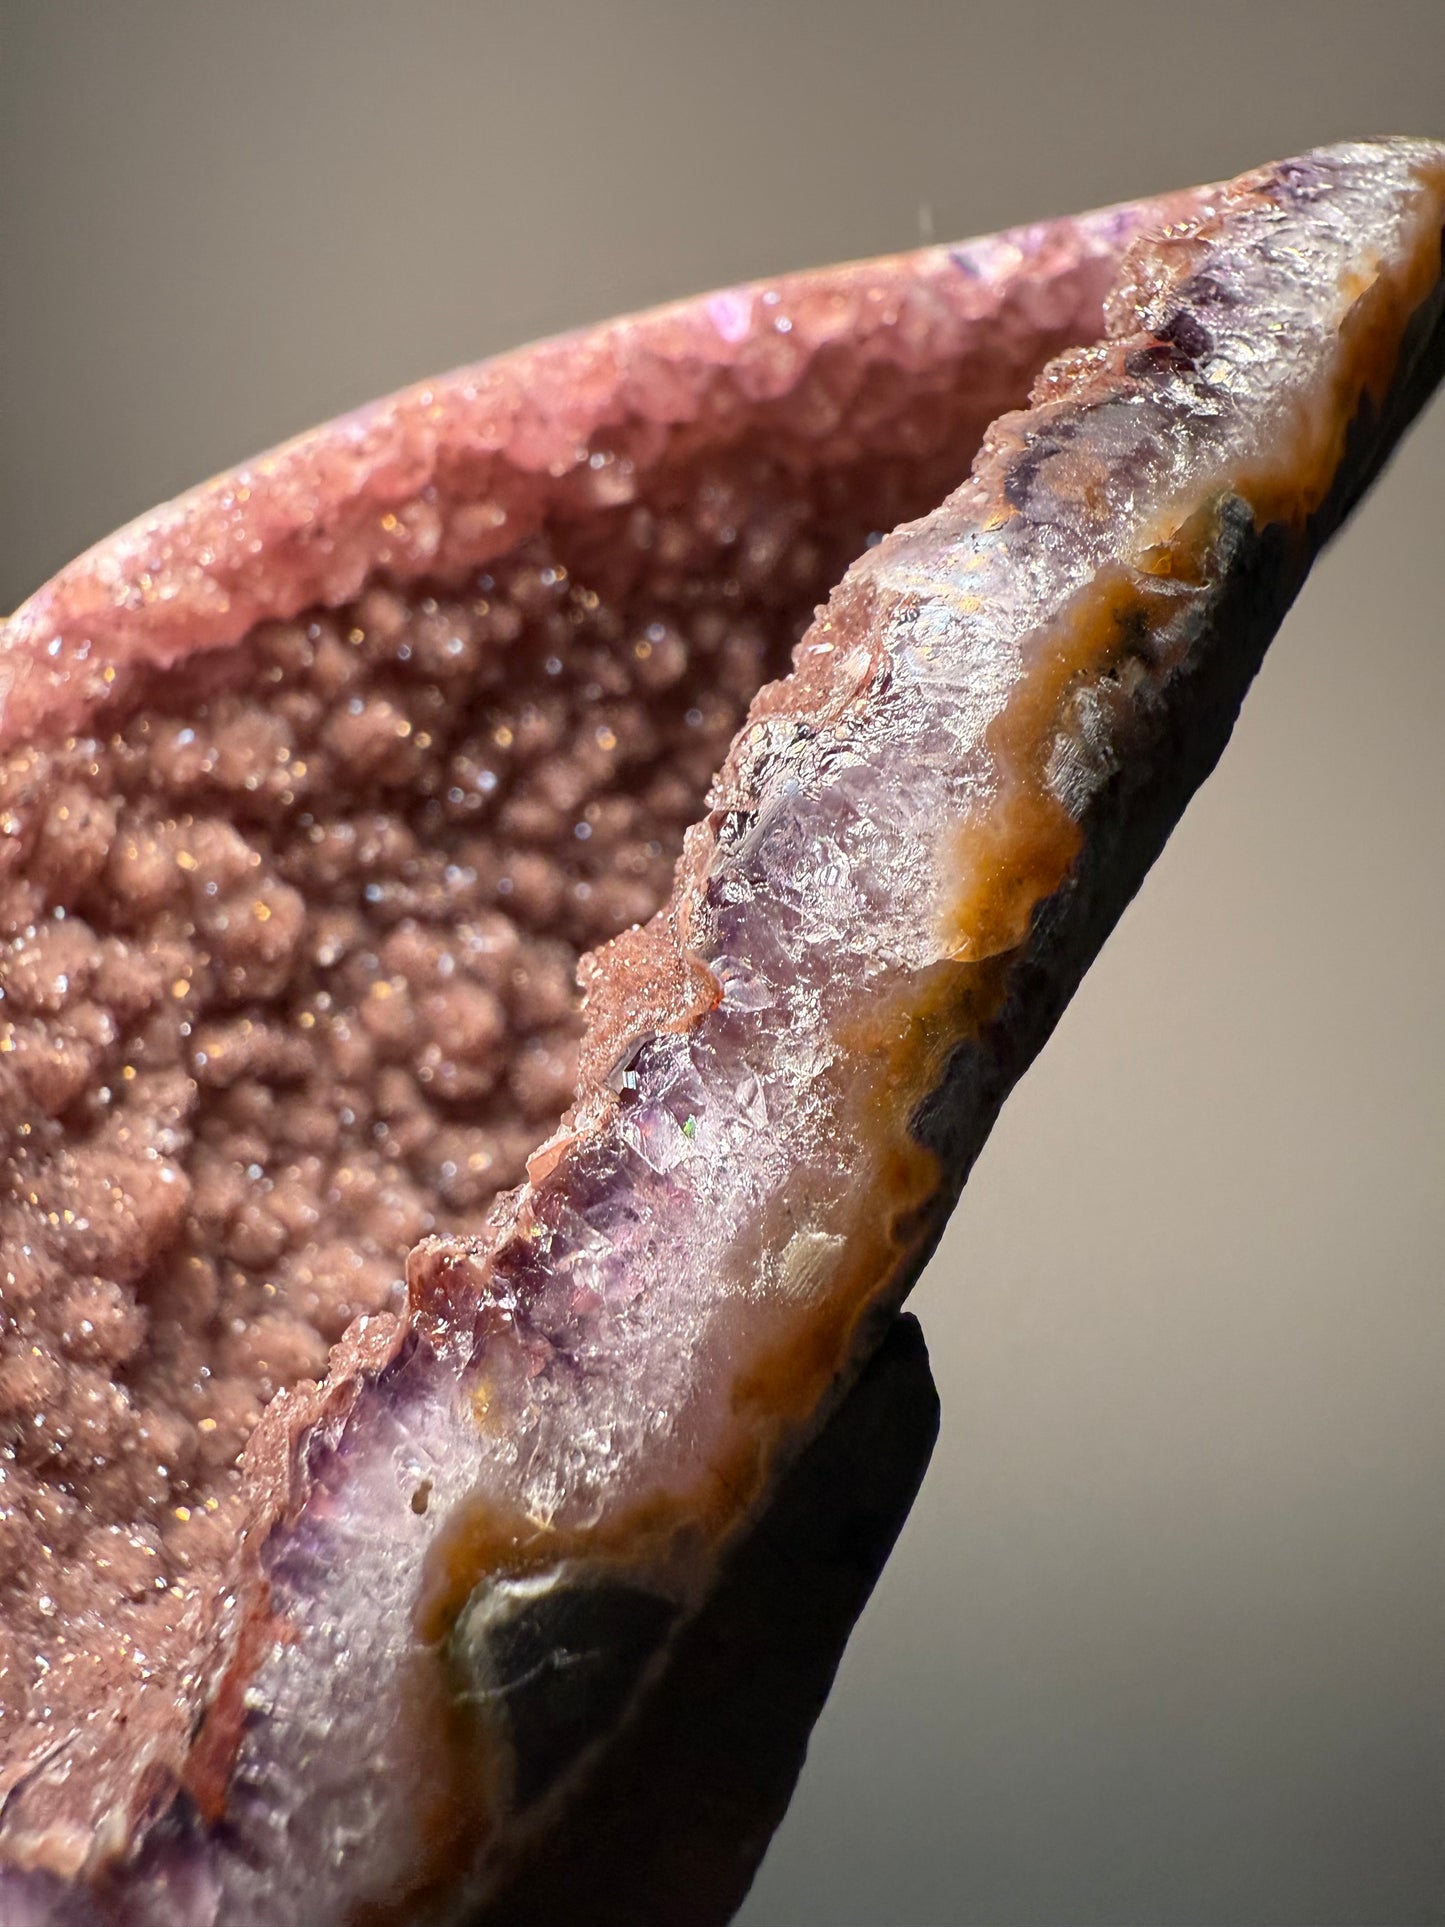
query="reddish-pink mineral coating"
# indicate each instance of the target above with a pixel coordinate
(310, 995)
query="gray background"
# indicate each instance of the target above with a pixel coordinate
(1163, 1640)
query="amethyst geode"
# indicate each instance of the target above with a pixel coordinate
(315, 789)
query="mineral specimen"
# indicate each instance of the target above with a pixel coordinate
(313, 789)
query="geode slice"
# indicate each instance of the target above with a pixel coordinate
(315, 787)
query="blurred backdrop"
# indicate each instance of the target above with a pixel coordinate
(1164, 1641)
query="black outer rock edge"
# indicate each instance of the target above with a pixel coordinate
(669, 1828)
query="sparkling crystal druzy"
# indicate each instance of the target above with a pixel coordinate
(322, 790)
